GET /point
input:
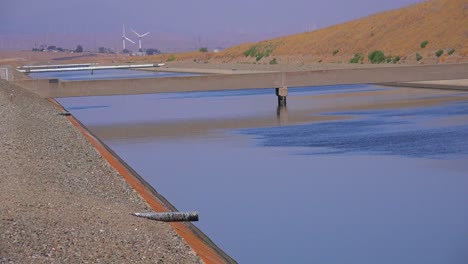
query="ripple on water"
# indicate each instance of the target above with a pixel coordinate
(379, 132)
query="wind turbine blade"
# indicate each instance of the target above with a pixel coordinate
(135, 32)
(129, 40)
(145, 34)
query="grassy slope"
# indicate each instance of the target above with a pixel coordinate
(444, 23)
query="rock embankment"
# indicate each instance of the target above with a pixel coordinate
(60, 201)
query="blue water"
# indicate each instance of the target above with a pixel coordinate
(250, 92)
(170, 107)
(104, 75)
(386, 186)
(388, 132)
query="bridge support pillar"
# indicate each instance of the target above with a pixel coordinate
(282, 92)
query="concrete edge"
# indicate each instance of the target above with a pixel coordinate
(205, 248)
(426, 86)
(204, 70)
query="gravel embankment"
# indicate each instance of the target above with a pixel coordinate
(60, 201)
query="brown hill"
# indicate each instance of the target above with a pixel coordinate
(443, 23)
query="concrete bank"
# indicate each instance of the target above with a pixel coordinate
(242, 68)
(63, 202)
(461, 84)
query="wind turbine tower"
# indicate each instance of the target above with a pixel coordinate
(139, 38)
(124, 38)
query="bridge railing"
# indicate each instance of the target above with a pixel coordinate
(58, 88)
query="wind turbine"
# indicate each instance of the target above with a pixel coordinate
(139, 38)
(125, 38)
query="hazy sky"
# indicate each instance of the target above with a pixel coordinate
(190, 18)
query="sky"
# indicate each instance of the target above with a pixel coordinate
(201, 22)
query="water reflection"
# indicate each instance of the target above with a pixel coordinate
(384, 132)
(282, 114)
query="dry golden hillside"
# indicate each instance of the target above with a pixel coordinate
(443, 23)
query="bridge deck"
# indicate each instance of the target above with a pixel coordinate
(56, 88)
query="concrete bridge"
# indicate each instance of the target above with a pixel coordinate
(54, 88)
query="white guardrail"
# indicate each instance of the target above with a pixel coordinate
(45, 68)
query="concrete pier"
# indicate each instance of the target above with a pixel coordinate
(282, 92)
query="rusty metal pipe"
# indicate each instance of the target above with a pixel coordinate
(170, 216)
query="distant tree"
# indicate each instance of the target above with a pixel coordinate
(152, 51)
(203, 49)
(102, 50)
(60, 49)
(424, 44)
(51, 47)
(439, 53)
(126, 51)
(79, 49)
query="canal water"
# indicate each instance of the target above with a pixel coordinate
(102, 75)
(344, 174)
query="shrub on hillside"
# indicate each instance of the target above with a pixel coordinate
(171, 58)
(335, 52)
(258, 52)
(376, 56)
(203, 49)
(356, 59)
(424, 44)
(451, 51)
(252, 52)
(418, 57)
(439, 53)
(273, 61)
(388, 59)
(396, 59)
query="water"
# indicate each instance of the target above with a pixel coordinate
(338, 177)
(102, 75)
(407, 132)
